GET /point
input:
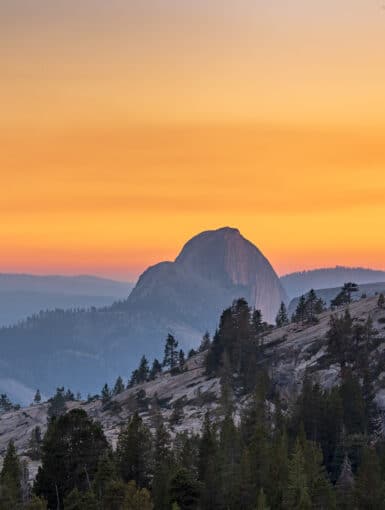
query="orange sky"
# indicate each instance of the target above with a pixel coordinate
(127, 127)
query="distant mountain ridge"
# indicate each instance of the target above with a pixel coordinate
(22, 295)
(184, 297)
(296, 284)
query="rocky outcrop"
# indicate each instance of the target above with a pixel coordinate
(214, 268)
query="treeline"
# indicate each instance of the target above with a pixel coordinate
(327, 451)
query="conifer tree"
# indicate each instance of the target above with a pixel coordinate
(163, 464)
(105, 474)
(10, 479)
(35, 443)
(37, 397)
(119, 386)
(70, 452)
(133, 452)
(156, 369)
(143, 370)
(134, 380)
(205, 343)
(345, 295)
(300, 311)
(207, 466)
(184, 490)
(297, 492)
(282, 319)
(57, 405)
(340, 338)
(181, 360)
(257, 321)
(170, 359)
(381, 301)
(106, 393)
(5, 403)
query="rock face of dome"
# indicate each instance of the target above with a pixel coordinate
(224, 266)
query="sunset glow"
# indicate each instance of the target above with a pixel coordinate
(126, 128)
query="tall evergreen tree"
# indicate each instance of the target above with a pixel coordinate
(133, 452)
(297, 495)
(119, 386)
(282, 318)
(106, 393)
(300, 311)
(10, 479)
(163, 467)
(205, 343)
(156, 369)
(143, 370)
(57, 406)
(70, 453)
(170, 359)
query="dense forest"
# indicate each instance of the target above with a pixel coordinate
(325, 449)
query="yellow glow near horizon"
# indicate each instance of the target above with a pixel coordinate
(129, 127)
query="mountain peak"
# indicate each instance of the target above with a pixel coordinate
(224, 266)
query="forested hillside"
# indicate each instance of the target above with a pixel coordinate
(283, 417)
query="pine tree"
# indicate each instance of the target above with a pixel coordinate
(105, 474)
(297, 493)
(70, 452)
(10, 479)
(205, 343)
(257, 321)
(143, 370)
(229, 462)
(57, 405)
(35, 443)
(37, 397)
(282, 319)
(163, 464)
(156, 369)
(134, 380)
(340, 338)
(181, 360)
(106, 393)
(133, 452)
(207, 466)
(184, 490)
(170, 359)
(381, 301)
(300, 311)
(5, 403)
(119, 386)
(345, 295)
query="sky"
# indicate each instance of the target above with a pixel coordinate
(127, 127)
